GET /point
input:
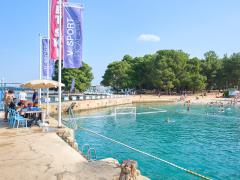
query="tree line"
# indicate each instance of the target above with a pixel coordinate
(82, 77)
(174, 70)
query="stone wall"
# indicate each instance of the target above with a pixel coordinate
(89, 104)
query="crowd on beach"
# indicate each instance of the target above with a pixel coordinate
(18, 103)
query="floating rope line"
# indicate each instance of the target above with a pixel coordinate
(157, 109)
(151, 112)
(211, 115)
(111, 115)
(89, 117)
(198, 114)
(147, 154)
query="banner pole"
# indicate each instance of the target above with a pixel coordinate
(60, 68)
(48, 64)
(40, 66)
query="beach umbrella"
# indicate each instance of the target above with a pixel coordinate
(41, 84)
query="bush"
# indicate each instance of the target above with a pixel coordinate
(226, 94)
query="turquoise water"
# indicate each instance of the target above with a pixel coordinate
(207, 144)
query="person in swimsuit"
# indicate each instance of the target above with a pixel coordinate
(8, 98)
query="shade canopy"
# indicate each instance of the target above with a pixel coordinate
(41, 84)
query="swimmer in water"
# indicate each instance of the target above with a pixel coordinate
(167, 120)
(221, 110)
(188, 105)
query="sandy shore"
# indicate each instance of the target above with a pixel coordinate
(196, 98)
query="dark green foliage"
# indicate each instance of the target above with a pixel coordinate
(117, 75)
(210, 68)
(231, 70)
(226, 94)
(83, 77)
(170, 70)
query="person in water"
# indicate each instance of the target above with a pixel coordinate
(221, 108)
(188, 105)
(167, 120)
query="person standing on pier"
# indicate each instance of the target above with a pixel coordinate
(8, 98)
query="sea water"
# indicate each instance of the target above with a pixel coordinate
(203, 139)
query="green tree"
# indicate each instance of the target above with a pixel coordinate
(141, 72)
(117, 75)
(210, 67)
(83, 77)
(192, 79)
(173, 70)
(231, 70)
(168, 68)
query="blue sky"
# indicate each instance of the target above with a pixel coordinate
(112, 29)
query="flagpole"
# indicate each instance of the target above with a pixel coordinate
(40, 66)
(48, 56)
(60, 69)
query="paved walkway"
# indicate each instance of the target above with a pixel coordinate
(29, 154)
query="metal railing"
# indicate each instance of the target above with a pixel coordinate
(86, 148)
(66, 98)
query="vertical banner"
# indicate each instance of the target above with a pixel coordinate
(48, 66)
(51, 69)
(54, 29)
(45, 57)
(72, 36)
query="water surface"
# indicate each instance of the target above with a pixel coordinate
(207, 144)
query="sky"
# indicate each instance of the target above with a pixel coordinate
(113, 28)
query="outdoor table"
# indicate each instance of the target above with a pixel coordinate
(36, 112)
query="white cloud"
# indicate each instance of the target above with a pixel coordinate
(148, 37)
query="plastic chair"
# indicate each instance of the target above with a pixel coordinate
(19, 120)
(10, 117)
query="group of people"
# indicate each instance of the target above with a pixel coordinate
(20, 103)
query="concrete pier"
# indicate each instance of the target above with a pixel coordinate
(90, 104)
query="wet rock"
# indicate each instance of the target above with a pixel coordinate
(75, 146)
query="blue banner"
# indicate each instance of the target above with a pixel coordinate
(47, 65)
(51, 69)
(72, 36)
(45, 57)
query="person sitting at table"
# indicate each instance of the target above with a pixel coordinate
(20, 108)
(35, 104)
(25, 104)
(29, 105)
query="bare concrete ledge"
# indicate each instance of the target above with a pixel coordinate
(90, 104)
(29, 154)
